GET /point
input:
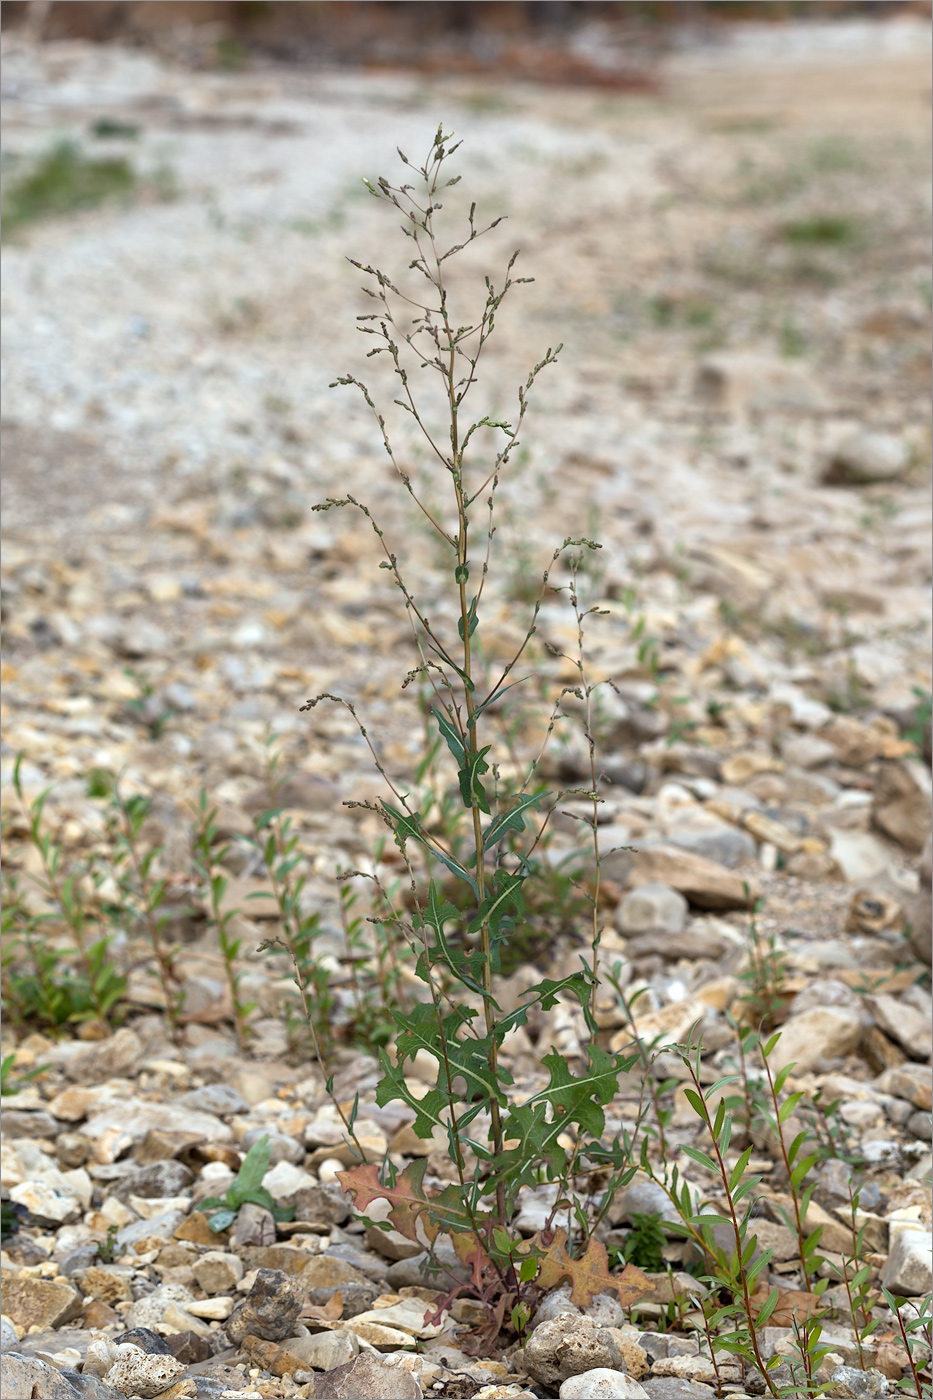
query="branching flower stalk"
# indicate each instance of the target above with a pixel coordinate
(458, 947)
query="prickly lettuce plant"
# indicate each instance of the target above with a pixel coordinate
(483, 862)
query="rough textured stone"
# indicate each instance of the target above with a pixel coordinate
(673, 1388)
(901, 807)
(17, 1123)
(254, 1226)
(911, 1082)
(217, 1272)
(137, 1117)
(113, 1058)
(908, 1270)
(366, 1377)
(107, 1284)
(282, 1148)
(149, 1311)
(824, 1033)
(270, 1310)
(921, 931)
(219, 1099)
(601, 1384)
(903, 1023)
(740, 381)
(569, 1346)
(865, 457)
(324, 1351)
(40, 1302)
(24, 1376)
(189, 1348)
(650, 907)
(145, 1375)
(160, 1179)
(324, 1202)
(90, 1387)
(145, 1339)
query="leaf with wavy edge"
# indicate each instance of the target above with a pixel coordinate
(588, 1276)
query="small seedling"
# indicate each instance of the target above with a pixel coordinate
(247, 1187)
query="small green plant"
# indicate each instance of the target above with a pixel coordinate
(109, 1250)
(142, 892)
(822, 228)
(65, 180)
(246, 1187)
(917, 1336)
(98, 985)
(209, 853)
(111, 129)
(645, 1241)
(277, 842)
(763, 975)
(11, 1082)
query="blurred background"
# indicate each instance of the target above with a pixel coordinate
(725, 208)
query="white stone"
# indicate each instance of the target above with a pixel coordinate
(217, 1272)
(214, 1309)
(602, 1384)
(324, 1350)
(908, 1271)
(824, 1033)
(145, 1375)
(650, 907)
(285, 1179)
(136, 1117)
(859, 855)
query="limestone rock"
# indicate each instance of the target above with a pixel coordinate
(324, 1202)
(702, 882)
(254, 1226)
(866, 457)
(137, 1116)
(145, 1375)
(160, 1179)
(601, 1384)
(901, 806)
(824, 1033)
(921, 931)
(149, 1311)
(324, 1351)
(908, 1270)
(367, 1377)
(911, 1082)
(568, 1347)
(270, 1310)
(34, 1380)
(217, 1272)
(738, 382)
(114, 1058)
(903, 1023)
(675, 1388)
(145, 1339)
(40, 1302)
(219, 1099)
(650, 907)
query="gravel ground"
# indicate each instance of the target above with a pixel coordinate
(738, 269)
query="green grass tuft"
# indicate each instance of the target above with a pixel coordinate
(63, 181)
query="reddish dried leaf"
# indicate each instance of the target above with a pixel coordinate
(407, 1197)
(588, 1276)
(331, 1311)
(470, 1252)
